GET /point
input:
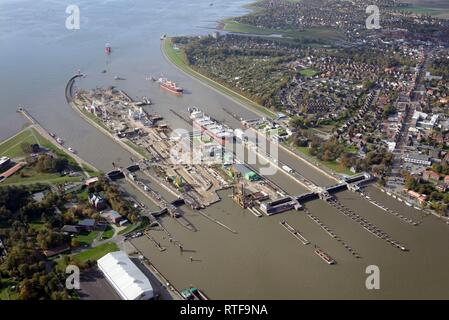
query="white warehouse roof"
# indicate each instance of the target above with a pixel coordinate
(126, 278)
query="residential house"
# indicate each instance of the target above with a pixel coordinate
(111, 216)
(97, 201)
(430, 175)
(87, 224)
(69, 229)
(422, 198)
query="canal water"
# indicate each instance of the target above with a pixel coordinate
(261, 260)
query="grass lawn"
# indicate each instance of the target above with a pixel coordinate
(108, 233)
(37, 226)
(29, 175)
(5, 290)
(86, 239)
(94, 118)
(423, 10)
(332, 165)
(325, 34)
(96, 253)
(11, 147)
(307, 72)
(131, 228)
(138, 149)
(176, 58)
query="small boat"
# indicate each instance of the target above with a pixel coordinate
(71, 150)
(119, 78)
(193, 294)
(163, 36)
(59, 140)
(146, 100)
(52, 134)
(108, 48)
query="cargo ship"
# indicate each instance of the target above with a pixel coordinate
(170, 86)
(219, 132)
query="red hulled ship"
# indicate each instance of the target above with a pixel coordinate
(170, 86)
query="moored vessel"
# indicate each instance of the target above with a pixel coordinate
(323, 255)
(217, 131)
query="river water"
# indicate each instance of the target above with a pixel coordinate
(261, 260)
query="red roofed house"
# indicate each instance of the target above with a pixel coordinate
(430, 175)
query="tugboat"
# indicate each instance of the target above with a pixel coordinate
(193, 294)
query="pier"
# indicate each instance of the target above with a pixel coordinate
(390, 211)
(368, 226)
(332, 234)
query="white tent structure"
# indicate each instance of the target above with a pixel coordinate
(126, 278)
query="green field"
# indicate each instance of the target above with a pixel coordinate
(176, 58)
(108, 233)
(332, 165)
(94, 118)
(12, 148)
(130, 228)
(324, 34)
(30, 176)
(140, 150)
(87, 239)
(96, 253)
(425, 10)
(307, 72)
(5, 289)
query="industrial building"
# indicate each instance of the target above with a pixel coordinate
(125, 277)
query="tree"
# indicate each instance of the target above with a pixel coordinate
(26, 147)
